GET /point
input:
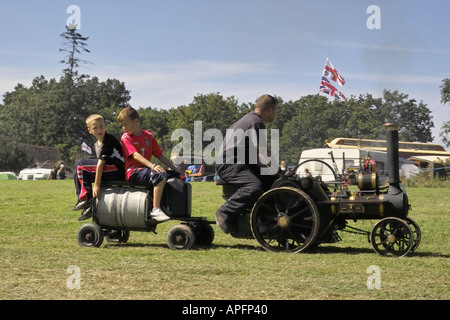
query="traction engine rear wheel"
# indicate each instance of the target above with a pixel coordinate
(285, 220)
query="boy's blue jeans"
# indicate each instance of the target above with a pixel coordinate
(148, 177)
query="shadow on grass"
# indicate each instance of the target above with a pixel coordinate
(327, 249)
(163, 245)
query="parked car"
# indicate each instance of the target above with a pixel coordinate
(7, 175)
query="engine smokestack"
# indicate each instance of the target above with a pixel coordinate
(393, 156)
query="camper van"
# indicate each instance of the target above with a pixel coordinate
(344, 160)
(34, 174)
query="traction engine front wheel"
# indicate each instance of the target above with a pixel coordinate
(392, 237)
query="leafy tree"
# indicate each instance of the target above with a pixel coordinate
(306, 129)
(414, 119)
(445, 98)
(212, 110)
(14, 156)
(38, 115)
(361, 118)
(26, 111)
(445, 91)
(156, 121)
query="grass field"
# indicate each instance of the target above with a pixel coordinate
(39, 243)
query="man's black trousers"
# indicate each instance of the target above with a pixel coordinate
(250, 185)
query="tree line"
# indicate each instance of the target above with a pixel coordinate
(52, 113)
(41, 115)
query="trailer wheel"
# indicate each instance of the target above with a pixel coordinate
(90, 235)
(417, 234)
(117, 236)
(392, 237)
(181, 237)
(285, 219)
(204, 234)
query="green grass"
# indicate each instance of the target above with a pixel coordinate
(39, 242)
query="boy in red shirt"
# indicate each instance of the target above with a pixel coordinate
(138, 147)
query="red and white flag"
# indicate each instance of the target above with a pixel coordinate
(331, 73)
(86, 148)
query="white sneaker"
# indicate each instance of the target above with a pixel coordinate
(159, 215)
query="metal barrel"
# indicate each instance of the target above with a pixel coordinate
(119, 207)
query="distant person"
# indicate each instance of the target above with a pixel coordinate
(108, 166)
(308, 174)
(369, 164)
(52, 175)
(283, 168)
(61, 173)
(138, 147)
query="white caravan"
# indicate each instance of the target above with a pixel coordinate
(34, 174)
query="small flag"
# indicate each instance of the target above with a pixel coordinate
(331, 73)
(328, 88)
(86, 148)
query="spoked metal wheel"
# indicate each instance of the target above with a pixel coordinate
(285, 219)
(417, 234)
(310, 164)
(392, 237)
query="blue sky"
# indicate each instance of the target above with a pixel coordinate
(168, 51)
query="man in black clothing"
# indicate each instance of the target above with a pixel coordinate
(243, 155)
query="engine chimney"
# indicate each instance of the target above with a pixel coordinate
(393, 156)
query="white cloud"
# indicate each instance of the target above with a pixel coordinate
(395, 78)
(172, 85)
(382, 47)
(10, 77)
